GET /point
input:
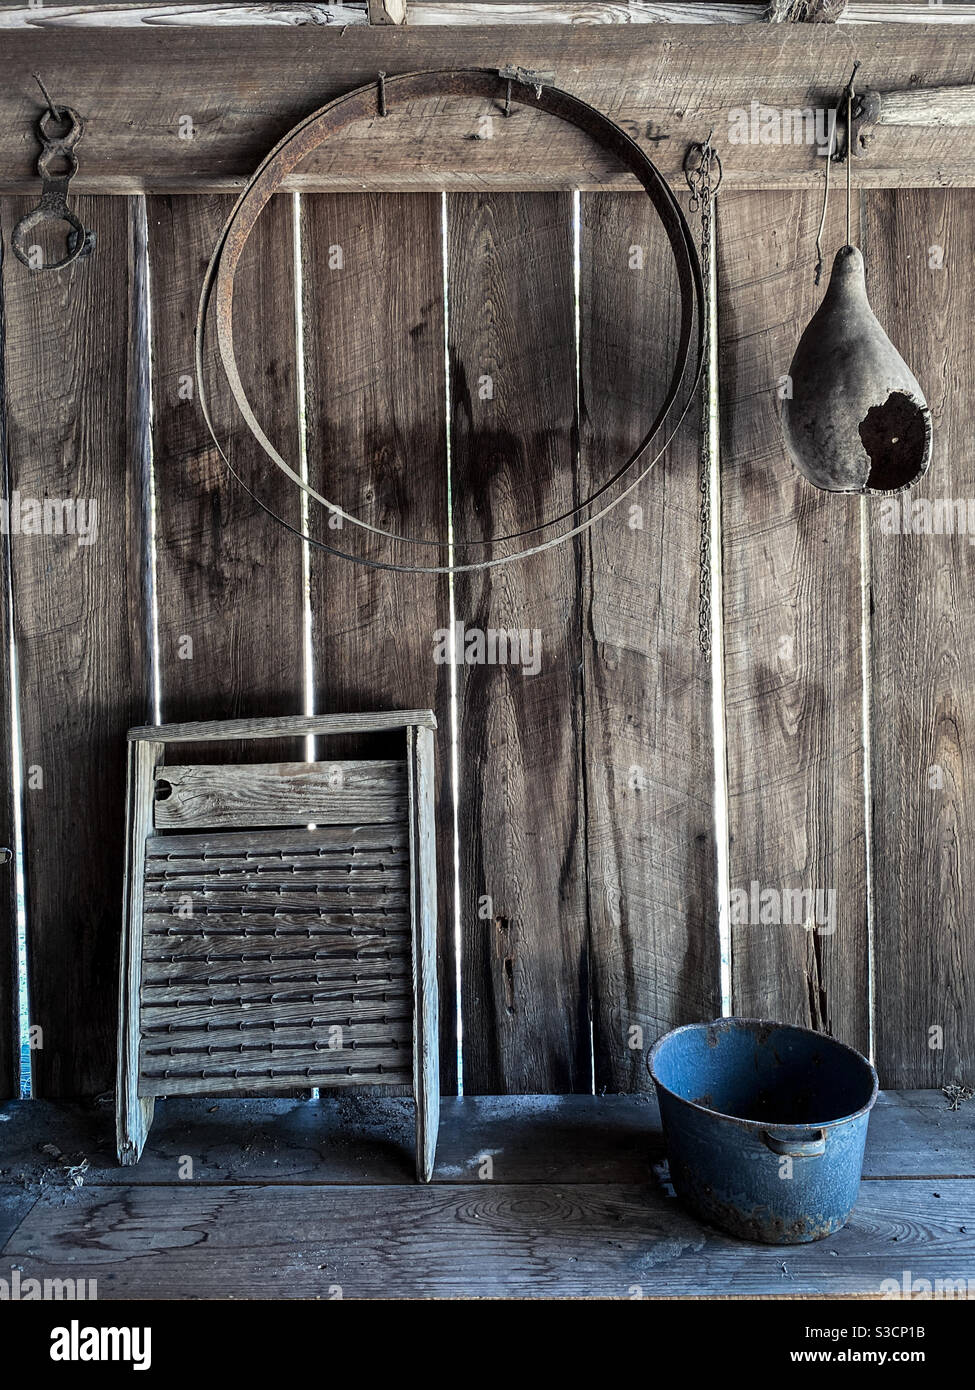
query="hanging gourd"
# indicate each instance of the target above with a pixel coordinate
(857, 420)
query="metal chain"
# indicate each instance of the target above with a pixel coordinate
(704, 180)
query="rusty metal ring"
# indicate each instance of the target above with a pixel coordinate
(51, 208)
(61, 143)
(362, 103)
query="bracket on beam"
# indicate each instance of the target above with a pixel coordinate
(387, 11)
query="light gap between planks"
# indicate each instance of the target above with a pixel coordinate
(19, 1024)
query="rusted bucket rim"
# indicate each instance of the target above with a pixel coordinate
(766, 1126)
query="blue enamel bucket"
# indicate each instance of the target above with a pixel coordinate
(765, 1126)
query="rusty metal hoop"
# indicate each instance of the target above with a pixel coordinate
(528, 90)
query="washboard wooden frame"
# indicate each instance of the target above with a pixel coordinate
(254, 818)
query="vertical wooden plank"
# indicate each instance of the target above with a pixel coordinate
(793, 666)
(228, 579)
(525, 966)
(9, 1023)
(79, 632)
(229, 583)
(423, 910)
(375, 412)
(9, 993)
(647, 735)
(133, 1113)
(916, 244)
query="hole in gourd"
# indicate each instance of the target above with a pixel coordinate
(895, 435)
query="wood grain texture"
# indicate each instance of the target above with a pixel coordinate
(666, 84)
(470, 12)
(9, 991)
(290, 794)
(513, 465)
(647, 732)
(915, 1134)
(367, 1140)
(376, 431)
(79, 631)
(228, 580)
(426, 1049)
(481, 1240)
(793, 669)
(133, 1114)
(923, 668)
(211, 731)
(293, 849)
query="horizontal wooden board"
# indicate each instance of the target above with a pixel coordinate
(268, 1055)
(261, 992)
(324, 841)
(264, 1046)
(282, 1079)
(229, 934)
(366, 1000)
(279, 794)
(479, 1240)
(666, 84)
(258, 927)
(200, 975)
(292, 726)
(221, 1039)
(244, 882)
(285, 950)
(269, 900)
(531, 1139)
(462, 12)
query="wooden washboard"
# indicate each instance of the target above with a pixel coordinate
(259, 954)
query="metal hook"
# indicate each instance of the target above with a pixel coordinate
(53, 206)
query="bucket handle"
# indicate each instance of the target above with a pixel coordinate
(813, 1147)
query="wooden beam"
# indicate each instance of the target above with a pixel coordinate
(181, 110)
(474, 12)
(290, 726)
(918, 106)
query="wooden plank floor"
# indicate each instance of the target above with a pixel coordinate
(533, 1197)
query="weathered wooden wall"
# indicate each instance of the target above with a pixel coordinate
(793, 662)
(586, 812)
(922, 661)
(9, 1001)
(646, 740)
(80, 631)
(373, 317)
(155, 126)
